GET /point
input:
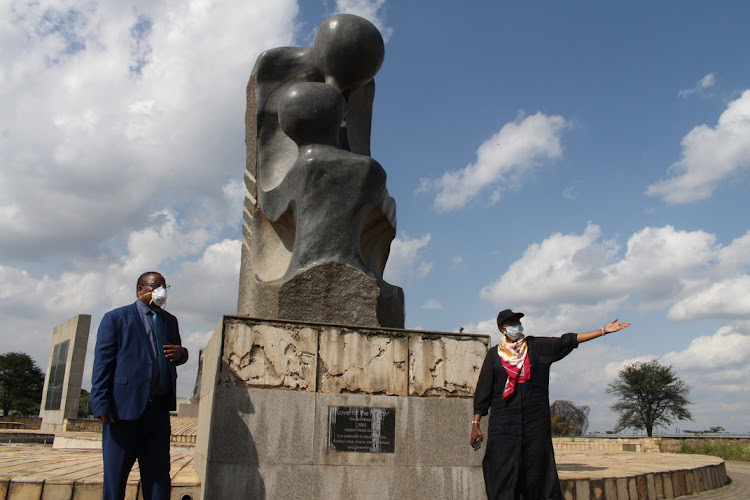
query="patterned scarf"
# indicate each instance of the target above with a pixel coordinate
(515, 360)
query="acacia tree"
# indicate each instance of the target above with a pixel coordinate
(84, 404)
(568, 419)
(649, 395)
(21, 384)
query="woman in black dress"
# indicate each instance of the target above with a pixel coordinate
(514, 386)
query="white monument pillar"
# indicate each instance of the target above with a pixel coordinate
(62, 382)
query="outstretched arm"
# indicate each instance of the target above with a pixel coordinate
(611, 327)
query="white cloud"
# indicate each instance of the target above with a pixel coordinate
(659, 266)
(726, 299)
(432, 305)
(372, 10)
(106, 108)
(404, 260)
(563, 268)
(502, 160)
(735, 258)
(424, 268)
(709, 155)
(208, 286)
(726, 349)
(704, 83)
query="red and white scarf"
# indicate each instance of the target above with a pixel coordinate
(515, 360)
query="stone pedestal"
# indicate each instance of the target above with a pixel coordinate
(264, 428)
(62, 383)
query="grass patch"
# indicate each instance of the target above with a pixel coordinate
(728, 449)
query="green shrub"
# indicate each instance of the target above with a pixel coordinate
(728, 449)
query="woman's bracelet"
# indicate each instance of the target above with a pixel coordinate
(603, 332)
(475, 422)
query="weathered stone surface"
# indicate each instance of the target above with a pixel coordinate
(568, 487)
(632, 487)
(446, 366)
(610, 488)
(345, 359)
(651, 486)
(334, 292)
(640, 484)
(622, 488)
(270, 356)
(668, 488)
(582, 489)
(24, 489)
(438, 434)
(363, 362)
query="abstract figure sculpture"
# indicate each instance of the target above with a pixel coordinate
(318, 218)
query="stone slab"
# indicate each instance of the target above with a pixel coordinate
(319, 357)
(363, 361)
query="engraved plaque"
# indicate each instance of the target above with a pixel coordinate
(57, 376)
(361, 429)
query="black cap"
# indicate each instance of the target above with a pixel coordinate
(507, 314)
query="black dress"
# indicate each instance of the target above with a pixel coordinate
(519, 461)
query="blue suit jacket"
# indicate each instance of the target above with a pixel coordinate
(124, 362)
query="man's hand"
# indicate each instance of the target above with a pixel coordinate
(173, 352)
(107, 418)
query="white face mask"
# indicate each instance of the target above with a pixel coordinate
(514, 332)
(159, 296)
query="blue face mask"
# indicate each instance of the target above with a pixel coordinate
(514, 332)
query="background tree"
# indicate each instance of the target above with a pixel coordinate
(649, 395)
(21, 384)
(84, 404)
(568, 419)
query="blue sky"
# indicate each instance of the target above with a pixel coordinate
(574, 161)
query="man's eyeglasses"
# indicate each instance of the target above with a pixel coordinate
(157, 285)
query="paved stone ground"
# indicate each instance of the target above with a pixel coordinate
(62, 471)
(30, 466)
(739, 473)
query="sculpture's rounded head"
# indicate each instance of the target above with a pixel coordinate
(349, 50)
(311, 113)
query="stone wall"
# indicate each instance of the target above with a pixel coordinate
(82, 425)
(647, 445)
(670, 444)
(33, 423)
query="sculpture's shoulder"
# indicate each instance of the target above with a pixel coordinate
(279, 63)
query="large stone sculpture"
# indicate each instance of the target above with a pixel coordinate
(318, 218)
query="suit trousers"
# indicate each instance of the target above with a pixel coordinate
(146, 440)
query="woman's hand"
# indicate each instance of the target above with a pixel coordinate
(476, 434)
(611, 327)
(614, 326)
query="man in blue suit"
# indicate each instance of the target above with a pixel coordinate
(133, 389)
